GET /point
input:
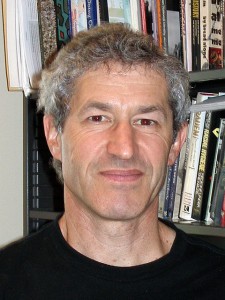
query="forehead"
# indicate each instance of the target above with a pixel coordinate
(129, 85)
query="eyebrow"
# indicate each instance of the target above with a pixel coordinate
(142, 109)
(96, 105)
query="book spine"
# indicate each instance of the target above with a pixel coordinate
(216, 41)
(198, 196)
(173, 185)
(143, 16)
(135, 10)
(159, 23)
(70, 33)
(220, 185)
(218, 132)
(210, 171)
(188, 42)
(222, 223)
(164, 26)
(103, 11)
(183, 32)
(205, 25)
(192, 167)
(195, 21)
(217, 170)
(154, 21)
(167, 191)
(92, 15)
(180, 180)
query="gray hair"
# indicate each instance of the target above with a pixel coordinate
(102, 46)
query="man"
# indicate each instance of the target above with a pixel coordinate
(115, 117)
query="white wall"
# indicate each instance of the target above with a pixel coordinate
(11, 156)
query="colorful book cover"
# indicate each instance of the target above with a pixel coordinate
(62, 22)
(216, 36)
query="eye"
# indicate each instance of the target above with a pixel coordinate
(145, 122)
(98, 119)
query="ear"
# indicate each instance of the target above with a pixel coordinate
(53, 137)
(178, 143)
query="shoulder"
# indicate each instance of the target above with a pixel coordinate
(192, 249)
(25, 249)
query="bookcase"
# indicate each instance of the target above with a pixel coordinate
(44, 194)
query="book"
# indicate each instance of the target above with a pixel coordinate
(205, 26)
(192, 164)
(78, 16)
(195, 32)
(167, 192)
(220, 186)
(62, 22)
(22, 45)
(159, 23)
(119, 12)
(183, 32)
(222, 223)
(164, 25)
(172, 191)
(218, 132)
(199, 189)
(92, 13)
(173, 30)
(188, 36)
(103, 11)
(216, 37)
(12, 55)
(143, 16)
(135, 12)
(47, 29)
(180, 180)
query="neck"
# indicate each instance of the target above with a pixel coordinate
(117, 243)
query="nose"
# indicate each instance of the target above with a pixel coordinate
(122, 141)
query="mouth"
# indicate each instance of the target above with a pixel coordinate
(122, 176)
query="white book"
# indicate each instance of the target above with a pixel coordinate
(29, 41)
(188, 27)
(135, 9)
(13, 71)
(205, 26)
(192, 163)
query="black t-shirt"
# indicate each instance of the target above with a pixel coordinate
(43, 266)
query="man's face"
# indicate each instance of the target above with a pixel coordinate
(116, 143)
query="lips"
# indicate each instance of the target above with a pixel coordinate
(122, 176)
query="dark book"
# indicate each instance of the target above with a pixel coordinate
(172, 192)
(195, 30)
(218, 192)
(211, 156)
(103, 11)
(218, 131)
